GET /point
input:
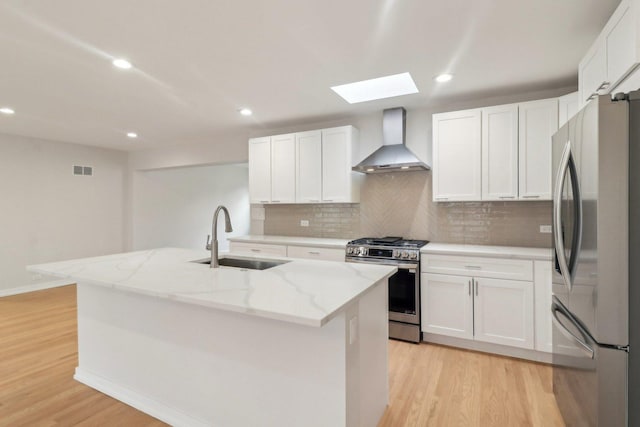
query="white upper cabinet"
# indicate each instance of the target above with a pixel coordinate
(568, 106)
(283, 168)
(339, 183)
(456, 156)
(260, 170)
(309, 166)
(500, 152)
(538, 121)
(614, 54)
(304, 167)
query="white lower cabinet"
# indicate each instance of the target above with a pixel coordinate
(312, 252)
(503, 312)
(476, 307)
(257, 248)
(447, 305)
(542, 275)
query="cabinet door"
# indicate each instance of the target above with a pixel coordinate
(456, 156)
(621, 43)
(337, 183)
(538, 121)
(257, 248)
(309, 167)
(500, 152)
(503, 312)
(592, 72)
(311, 252)
(542, 292)
(283, 168)
(446, 304)
(568, 106)
(260, 170)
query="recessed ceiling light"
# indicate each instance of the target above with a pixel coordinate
(132, 134)
(6, 110)
(380, 88)
(443, 78)
(245, 111)
(404, 167)
(370, 170)
(122, 63)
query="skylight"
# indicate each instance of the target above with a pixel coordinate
(380, 88)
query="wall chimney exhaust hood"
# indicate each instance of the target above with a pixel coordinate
(394, 155)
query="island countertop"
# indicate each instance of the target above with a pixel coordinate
(307, 292)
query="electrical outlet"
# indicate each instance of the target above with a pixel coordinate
(304, 223)
(545, 229)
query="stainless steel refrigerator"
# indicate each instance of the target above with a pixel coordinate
(596, 293)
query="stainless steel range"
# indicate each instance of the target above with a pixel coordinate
(404, 285)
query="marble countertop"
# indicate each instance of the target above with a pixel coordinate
(513, 252)
(307, 292)
(292, 241)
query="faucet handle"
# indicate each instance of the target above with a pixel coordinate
(208, 246)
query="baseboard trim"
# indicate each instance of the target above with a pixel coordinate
(35, 287)
(502, 350)
(137, 400)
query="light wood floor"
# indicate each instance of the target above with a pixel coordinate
(430, 385)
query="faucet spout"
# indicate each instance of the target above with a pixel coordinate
(214, 232)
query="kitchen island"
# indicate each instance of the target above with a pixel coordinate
(302, 343)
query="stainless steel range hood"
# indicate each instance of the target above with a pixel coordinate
(394, 155)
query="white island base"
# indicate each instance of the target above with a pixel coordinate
(191, 365)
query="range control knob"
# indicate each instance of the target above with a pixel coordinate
(413, 255)
(349, 250)
(396, 253)
(362, 251)
(405, 254)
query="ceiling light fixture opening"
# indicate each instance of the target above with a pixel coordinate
(122, 63)
(379, 88)
(245, 111)
(7, 110)
(132, 134)
(443, 78)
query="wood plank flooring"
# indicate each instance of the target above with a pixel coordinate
(430, 385)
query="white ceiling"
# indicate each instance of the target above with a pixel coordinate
(198, 61)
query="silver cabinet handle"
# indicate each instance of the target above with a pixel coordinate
(275, 201)
(530, 197)
(313, 253)
(264, 201)
(327, 200)
(507, 197)
(255, 250)
(442, 198)
(473, 267)
(469, 287)
(477, 287)
(603, 85)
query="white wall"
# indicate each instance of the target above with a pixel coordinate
(174, 207)
(48, 214)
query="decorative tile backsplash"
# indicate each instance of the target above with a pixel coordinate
(400, 204)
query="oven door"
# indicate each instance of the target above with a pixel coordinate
(404, 290)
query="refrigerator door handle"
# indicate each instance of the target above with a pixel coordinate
(555, 309)
(561, 255)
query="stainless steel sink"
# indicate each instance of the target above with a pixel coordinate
(245, 263)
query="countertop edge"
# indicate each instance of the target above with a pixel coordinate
(509, 252)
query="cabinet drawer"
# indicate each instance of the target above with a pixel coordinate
(496, 268)
(258, 248)
(310, 252)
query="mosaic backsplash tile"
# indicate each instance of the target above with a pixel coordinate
(400, 204)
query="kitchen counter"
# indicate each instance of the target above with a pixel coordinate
(292, 241)
(308, 292)
(512, 252)
(302, 343)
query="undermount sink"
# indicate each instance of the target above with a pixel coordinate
(245, 263)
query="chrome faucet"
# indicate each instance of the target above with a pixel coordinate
(212, 245)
